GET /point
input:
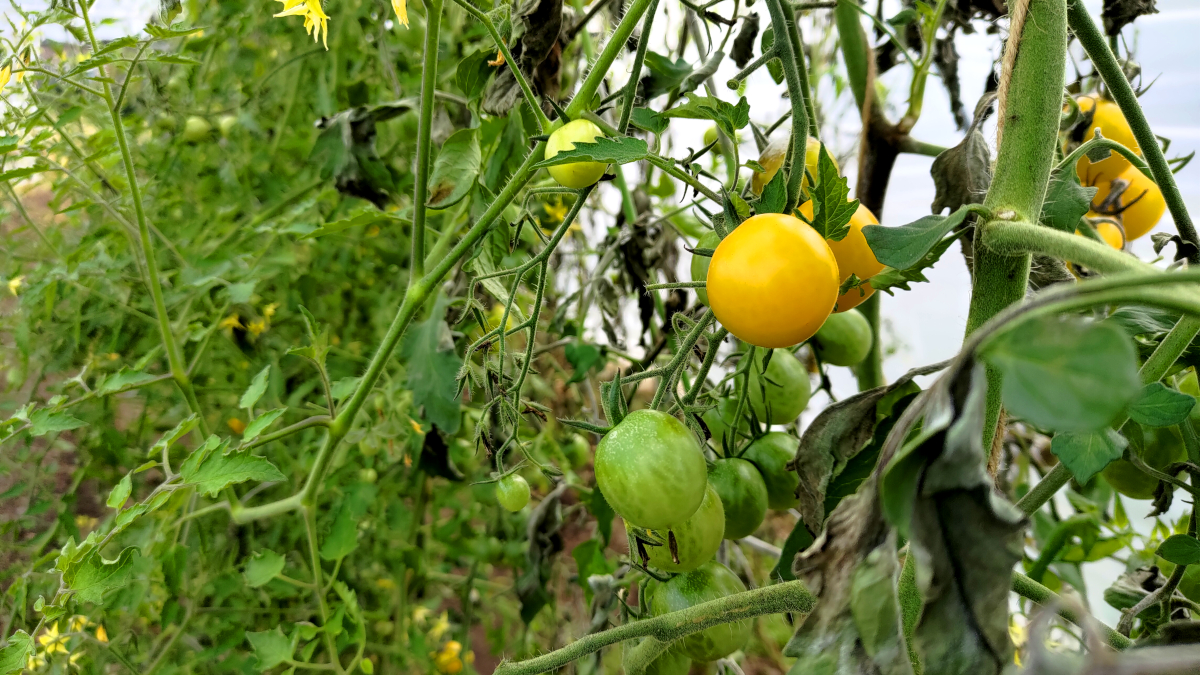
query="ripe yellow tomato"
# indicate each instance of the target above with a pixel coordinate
(578, 174)
(772, 159)
(853, 255)
(772, 281)
(1140, 205)
(1110, 233)
(1107, 117)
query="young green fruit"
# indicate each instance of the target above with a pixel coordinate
(696, 540)
(771, 454)
(672, 662)
(1160, 449)
(710, 581)
(227, 124)
(844, 339)
(651, 470)
(743, 495)
(512, 492)
(720, 423)
(782, 395)
(196, 129)
(576, 175)
(700, 262)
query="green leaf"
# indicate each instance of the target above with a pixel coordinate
(240, 293)
(15, 656)
(648, 120)
(473, 72)
(261, 423)
(271, 647)
(774, 195)
(1158, 406)
(831, 211)
(93, 576)
(664, 75)
(263, 567)
(9, 143)
(343, 535)
(174, 59)
(14, 174)
(615, 150)
(890, 278)
(432, 366)
(258, 387)
(903, 17)
(583, 357)
(116, 498)
(903, 247)
(774, 66)
(122, 379)
(1180, 549)
(161, 33)
(168, 439)
(1065, 375)
(797, 540)
(603, 512)
(1066, 201)
(455, 170)
(44, 421)
(589, 560)
(1086, 453)
(220, 470)
(344, 387)
(728, 117)
(364, 215)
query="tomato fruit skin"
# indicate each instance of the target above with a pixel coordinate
(196, 129)
(696, 540)
(772, 159)
(743, 495)
(710, 581)
(772, 281)
(782, 395)
(771, 454)
(720, 423)
(576, 175)
(700, 263)
(1161, 448)
(651, 470)
(1106, 116)
(844, 340)
(512, 492)
(577, 450)
(1142, 202)
(672, 662)
(853, 255)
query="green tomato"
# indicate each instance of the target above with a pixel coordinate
(1160, 449)
(719, 421)
(781, 396)
(771, 454)
(512, 492)
(651, 470)
(844, 339)
(696, 540)
(700, 262)
(368, 475)
(710, 135)
(743, 495)
(672, 662)
(1189, 385)
(196, 129)
(577, 450)
(576, 175)
(227, 124)
(710, 581)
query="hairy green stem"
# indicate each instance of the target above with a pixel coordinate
(783, 23)
(616, 43)
(429, 65)
(1058, 538)
(639, 658)
(682, 353)
(1110, 70)
(639, 58)
(674, 171)
(790, 596)
(1032, 590)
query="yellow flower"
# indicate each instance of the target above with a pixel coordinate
(440, 626)
(15, 283)
(316, 22)
(401, 9)
(52, 641)
(420, 614)
(448, 661)
(257, 327)
(269, 310)
(85, 523)
(5, 74)
(556, 212)
(499, 61)
(231, 321)
(236, 425)
(385, 584)
(101, 634)
(79, 622)
(416, 427)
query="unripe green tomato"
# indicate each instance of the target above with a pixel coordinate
(577, 450)
(771, 454)
(700, 262)
(743, 495)
(368, 447)
(844, 339)
(1189, 385)
(782, 395)
(384, 628)
(1160, 449)
(196, 129)
(512, 492)
(576, 175)
(651, 470)
(710, 135)
(710, 581)
(672, 662)
(719, 421)
(696, 540)
(227, 123)
(368, 475)
(165, 123)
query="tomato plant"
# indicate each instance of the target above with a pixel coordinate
(743, 495)
(695, 540)
(779, 393)
(710, 581)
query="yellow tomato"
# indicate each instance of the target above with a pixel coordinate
(1107, 117)
(853, 255)
(772, 281)
(1140, 204)
(772, 159)
(576, 175)
(1110, 233)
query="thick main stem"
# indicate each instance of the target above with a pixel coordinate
(433, 25)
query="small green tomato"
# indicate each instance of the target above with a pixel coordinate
(512, 492)
(576, 175)
(368, 475)
(196, 129)
(227, 124)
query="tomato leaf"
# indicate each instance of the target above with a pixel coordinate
(342, 538)
(1158, 406)
(93, 576)
(120, 493)
(664, 74)
(1066, 201)
(220, 470)
(261, 423)
(455, 170)
(962, 174)
(1180, 549)
(432, 366)
(904, 247)
(473, 72)
(45, 421)
(366, 215)
(583, 357)
(1086, 453)
(258, 387)
(615, 150)
(890, 278)
(774, 195)
(271, 647)
(603, 513)
(262, 568)
(1065, 375)
(774, 66)
(831, 210)
(122, 379)
(15, 657)
(728, 117)
(648, 120)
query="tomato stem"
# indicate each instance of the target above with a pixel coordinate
(787, 43)
(1032, 590)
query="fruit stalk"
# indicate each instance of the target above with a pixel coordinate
(1110, 70)
(1030, 105)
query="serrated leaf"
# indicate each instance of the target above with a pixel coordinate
(615, 150)
(890, 278)
(120, 493)
(432, 368)
(1180, 549)
(122, 379)
(1066, 201)
(161, 33)
(168, 439)
(271, 647)
(831, 211)
(1065, 375)
(262, 568)
(664, 74)
(14, 174)
(1158, 406)
(729, 117)
(173, 59)
(16, 655)
(258, 387)
(44, 421)
(342, 538)
(219, 471)
(648, 120)
(261, 423)
(455, 170)
(1087, 453)
(366, 215)
(774, 196)
(93, 576)
(904, 247)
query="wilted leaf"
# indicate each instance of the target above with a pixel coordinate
(962, 174)
(1086, 453)
(1158, 406)
(743, 44)
(345, 151)
(455, 170)
(1119, 13)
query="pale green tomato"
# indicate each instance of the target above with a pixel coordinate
(227, 124)
(512, 492)
(700, 262)
(844, 339)
(578, 174)
(696, 540)
(196, 129)
(368, 475)
(771, 454)
(782, 395)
